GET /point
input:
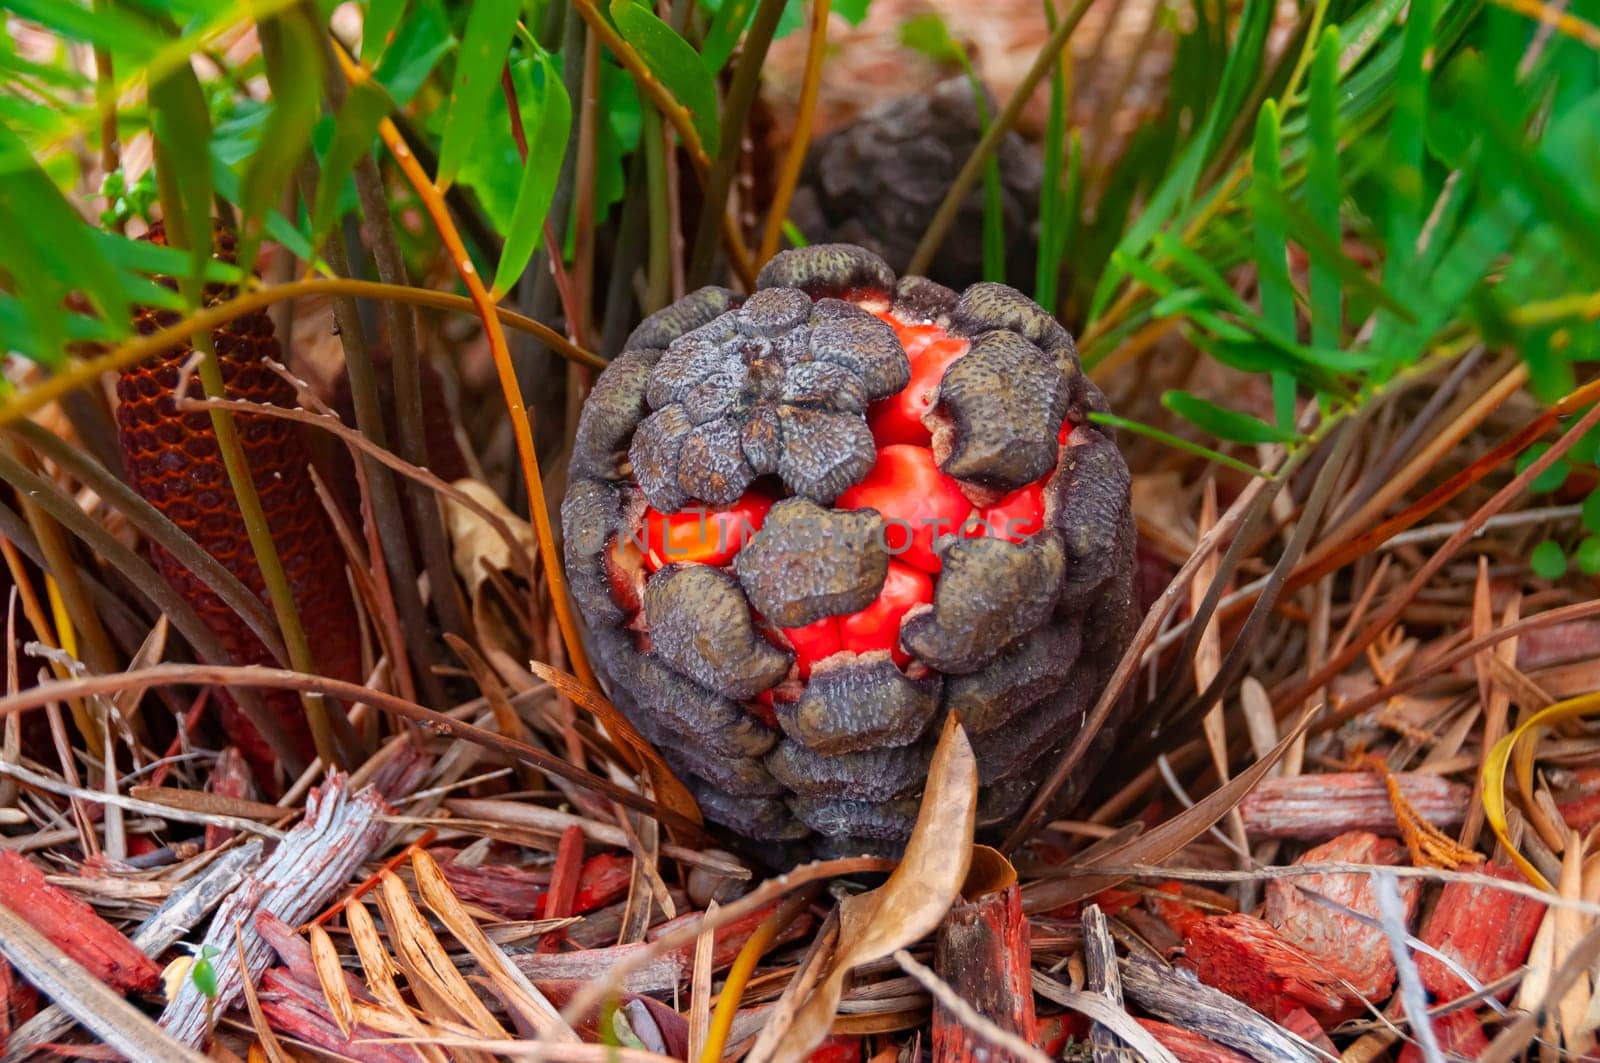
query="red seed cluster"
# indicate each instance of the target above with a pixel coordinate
(173, 461)
(905, 486)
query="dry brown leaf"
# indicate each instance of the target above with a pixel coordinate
(393, 1015)
(330, 975)
(510, 982)
(429, 968)
(475, 542)
(700, 986)
(910, 904)
(1162, 841)
(267, 1041)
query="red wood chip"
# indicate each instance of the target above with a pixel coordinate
(1250, 961)
(74, 927)
(1188, 1046)
(1305, 909)
(1318, 807)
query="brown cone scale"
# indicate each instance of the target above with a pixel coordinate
(173, 461)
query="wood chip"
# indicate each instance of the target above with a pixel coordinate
(1321, 807)
(310, 865)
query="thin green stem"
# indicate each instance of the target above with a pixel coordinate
(973, 169)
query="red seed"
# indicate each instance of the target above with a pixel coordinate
(917, 501)
(709, 535)
(877, 627)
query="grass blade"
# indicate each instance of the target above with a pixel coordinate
(1322, 188)
(1224, 423)
(292, 53)
(1272, 249)
(1177, 443)
(490, 26)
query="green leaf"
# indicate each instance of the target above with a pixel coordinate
(929, 35)
(1591, 511)
(490, 26)
(1322, 188)
(676, 64)
(422, 40)
(547, 121)
(204, 976)
(852, 11)
(49, 250)
(1272, 252)
(1588, 556)
(292, 51)
(727, 25)
(1405, 145)
(1548, 560)
(108, 26)
(364, 107)
(1223, 423)
(1549, 480)
(383, 16)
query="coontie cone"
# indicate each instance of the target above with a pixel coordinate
(806, 525)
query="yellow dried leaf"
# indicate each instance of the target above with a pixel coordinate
(331, 976)
(429, 968)
(1493, 781)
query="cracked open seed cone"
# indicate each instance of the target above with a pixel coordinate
(806, 525)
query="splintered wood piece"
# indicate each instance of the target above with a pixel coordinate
(1460, 1036)
(230, 778)
(983, 952)
(1321, 807)
(1487, 932)
(563, 884)
(1210, 1013)
(1250, 961)
(658, 975)
(1310, 911)
(1188, 1046)
(339, 832)
(511, 892)
(1101, 976)
(184, 909)
(72, 926)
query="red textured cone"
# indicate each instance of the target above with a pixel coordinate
(173, 461)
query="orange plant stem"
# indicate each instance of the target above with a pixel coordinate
(521, 420)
